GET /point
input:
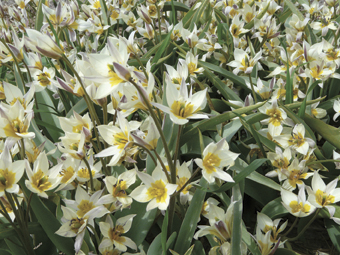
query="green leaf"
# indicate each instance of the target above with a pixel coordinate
(309, 132)
(189, 16)
(333, 230)
(250, 25)
(53, 31)
(18, 80)
(3, 71)
(254, 133)
(263, 180)
(8, 231)
(190, 220)
(283, 251)
(302, 109)
(39, 139)
(224, 35)
(214, 121)
(312, 36)
(165, 231)
(49, 126)
(178, 7)
(295, 10)
(225, 73)
(236, 237)
(286, 14)
(243, 172)
(104, 12)
(198, 14)
(141, 223)
(274, 209)
(46, 104)
(4, 252)
(156, 246)
(328, 132)
(15, 249)
(222, 87)
(148, 54)
(231, 129)
(162, 48)
(48, 222)
(250, 242)
(79, 107)
(40, 16)
(240, 165)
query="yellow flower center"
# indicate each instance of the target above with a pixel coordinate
(75, 224)
(275, 116)
(235, 30)
(96, 5)
(316, 72)
(297, 207)
(249, 16)
(274, 232)
(118, 189)
(210, 161)
(40, 181)
(7, 179)
(84, 173)
(114, 15)
(182, 110)
(323, 199)
(295, 176)
(114, 78)
(152, 10)
(43, 79)
(192, 68)
(67, 174)
(296, 139)
(281, 163)
(158, 191)
(16, 126)
(180, 182)
(79, 128)
(114, 234)
(121, 139)
(84, 206)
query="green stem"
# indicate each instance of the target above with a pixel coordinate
(90, 173)
(158, 125)
(21, 221)
(252, 89)
(142, 66)
(291, 227)
(163, 166)
(28, 206)
(148, 151)
(17, 65)
(101, 159)
(211, 106)
(159, 22)
(104, 114)
(322, 161)
(173, 173)
(22, 148)
(306, 226)
(309, 97)
(94, 233)
(94, 116)
(28, 71)
(187, 182)
(167, 152)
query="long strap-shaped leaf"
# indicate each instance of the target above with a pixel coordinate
(190, 221)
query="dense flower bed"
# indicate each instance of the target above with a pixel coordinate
(168, 127)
